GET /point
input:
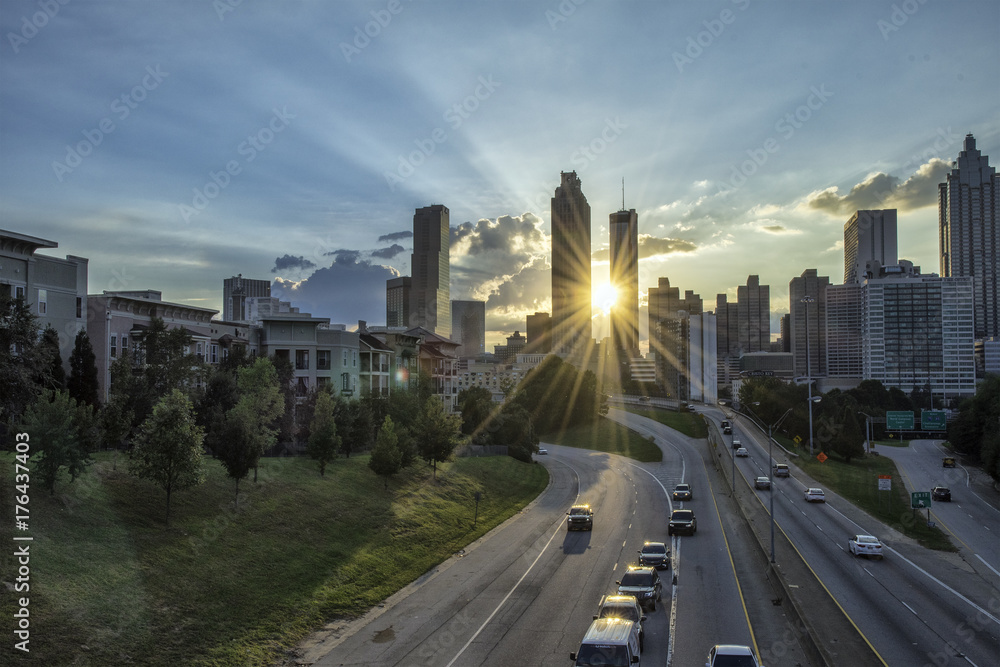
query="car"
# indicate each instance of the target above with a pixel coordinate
(644, 399)
(781, 470)
(742, 451)
(731, 655)
(644, 583)
(865, 545)
(948, 462)
(763, 483)
(736, 443)
(682, 521)
(542, 451)
(727, 430)
(941, 493)
(814, 495)
(656, 554)
(581, 517)
(609, 641)
(627, 607)
(683, 492)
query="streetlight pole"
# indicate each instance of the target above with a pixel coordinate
(770, 467)
(868, 426)
(807, 300)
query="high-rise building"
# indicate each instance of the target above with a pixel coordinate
(468, 328)
(808, 320)
(624, 230)
(571, 298)
(430, 270)
(397, 302)
(844, 330)
(969, 232)
(539, 333)
(236, 291)
(869, 234)
(753, 308)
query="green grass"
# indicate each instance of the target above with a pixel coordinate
(690, 424)
(858, 483)
(111, 584)
(605, 435)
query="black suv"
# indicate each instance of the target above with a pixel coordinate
(627, 607)
(581, 517)
(642, 582)
(941, 493)
(682, 521)
(656, 554)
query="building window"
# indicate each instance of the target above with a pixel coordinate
(302, 360)
(323, 360)
(345, 361)
(302, 386)
(114, 346)
(79, 307)
(322, 381)
(201, 352)
(43, 301)
(354, 357)
(214, 358)
(346, 380)
(18, 291)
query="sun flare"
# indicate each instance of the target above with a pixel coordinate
(604, 297)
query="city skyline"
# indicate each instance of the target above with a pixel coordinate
(178, 145)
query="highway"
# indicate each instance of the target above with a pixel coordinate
(916, 606)
(525, 593)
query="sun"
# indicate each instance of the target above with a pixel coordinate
(604, 297)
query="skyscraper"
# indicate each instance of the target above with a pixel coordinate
(430, 293)
(753, 308)
(468, 327)
(624, 229)
(808, 323)
(969, 232)
(869, 234)
(539, 333)
(397, 302)
(236, 291)
(571, 299)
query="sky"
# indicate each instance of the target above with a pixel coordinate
(176, 144)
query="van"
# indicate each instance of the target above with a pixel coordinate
(609, 641)
(781, 470)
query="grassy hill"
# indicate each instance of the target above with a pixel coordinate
(225, 585)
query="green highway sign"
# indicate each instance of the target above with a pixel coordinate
(899, 420)
(920, 500)
(933, 420)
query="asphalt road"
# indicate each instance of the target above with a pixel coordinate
(915, 607)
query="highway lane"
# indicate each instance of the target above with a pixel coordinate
(973, 523)
(905, 610)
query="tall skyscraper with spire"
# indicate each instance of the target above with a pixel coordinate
(430, 268)
(571, 293)
(624, 229)
(969, 232)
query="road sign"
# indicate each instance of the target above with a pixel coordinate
(934, 420)
(899, 420)
(885, 482)
(822, 457)
(920, 500)
(797, 439)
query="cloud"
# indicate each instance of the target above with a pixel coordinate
(775, 229)
(488, 253)
(344, 256)
(388, 253)
(395, 236)
(291, 262)
(651, 246)
(346, 291)
(880, 190)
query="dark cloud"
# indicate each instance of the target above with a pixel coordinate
(880, 190)
(651, 246)
(290, 262)
(395, 236)
(506, 233)
(388, 253)
(774, 229)
(345, 292)
(344, 256)
(488, 253)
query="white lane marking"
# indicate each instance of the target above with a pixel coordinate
(988, 565)
(909, 607)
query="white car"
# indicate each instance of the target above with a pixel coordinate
(724, 655)
(865, 545)
(542, 451)
(742, 451)
(815, 496)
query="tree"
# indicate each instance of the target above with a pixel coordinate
(83, 383)
(232, 443)
(19, 362)
(436, 433)
(975, 431)
(261, 406)
(386, 459)
(284, 424)
(168, 448)
(53, 376)
(58, 432)
(324, 442)
(513, 428)
(476, 406)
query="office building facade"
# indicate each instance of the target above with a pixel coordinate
(572, 333)
(236, 291)
(624, 232)
(539, 333)
(397, 302)
(468, 327)
(808, 323)
(430, 270)
(969, 232)
(868, 235)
